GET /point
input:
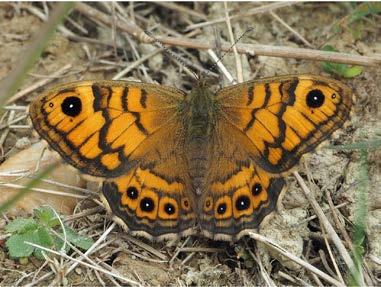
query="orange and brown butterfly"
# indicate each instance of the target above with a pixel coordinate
(176, 164)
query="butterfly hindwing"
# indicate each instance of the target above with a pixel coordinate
(154, 198)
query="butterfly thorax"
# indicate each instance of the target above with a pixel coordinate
(200, 122)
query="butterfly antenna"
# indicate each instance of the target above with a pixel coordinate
(172, 54)
(216, 63)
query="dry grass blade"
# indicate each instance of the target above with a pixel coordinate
(127, 280)
(39, 84)
(231, 36)
(326, 224)
(288, 27)
(181, 9)
(294, 258)
(256, 10)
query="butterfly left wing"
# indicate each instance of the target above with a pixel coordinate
(96, 126)
(285, 117)
(130, 134)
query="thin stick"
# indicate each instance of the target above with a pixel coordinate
(333, 259)
(256, 10)
(289, 28)
(181, 9)
(326, 224)
(264, 50)
(237, 57)
(294, 258)
(221, 66)
(95, 267)
(39, 84)
(136, 64)
(42, 190)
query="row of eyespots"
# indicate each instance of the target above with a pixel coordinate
(147, 204)
(242, 202)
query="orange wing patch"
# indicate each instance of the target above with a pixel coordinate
(286, 117)
(239, 203)
(150, 206)
(97, 125)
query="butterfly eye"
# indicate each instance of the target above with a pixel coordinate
(147, 204)
(256, 189)
(221, 209)
(132, 192)
(242, 203)
(315, 98)
(71, 106)
(169, 208)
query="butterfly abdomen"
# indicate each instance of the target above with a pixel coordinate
(200, 122)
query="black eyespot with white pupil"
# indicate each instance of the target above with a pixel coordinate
(132, 192)
(71, 106)
(51, 105)
(242, 202)
(221, 209)
(256, 189)
(147, 204)
(207, 203)
(315, 98)
(169, 208)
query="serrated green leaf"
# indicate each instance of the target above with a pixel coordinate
(43, 239)
(352, 72)
(16, 244)
(21, 225)
(80, 241)
(46, 216)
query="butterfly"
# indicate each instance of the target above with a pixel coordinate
(176, 164)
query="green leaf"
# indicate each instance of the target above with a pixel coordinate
(342, 70)
(44, 239)
(352, 72)
(16, 246)
(46, 216)
(21, 225)
(80, 241)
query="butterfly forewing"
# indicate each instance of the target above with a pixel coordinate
(285, 117)
(97, 125)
